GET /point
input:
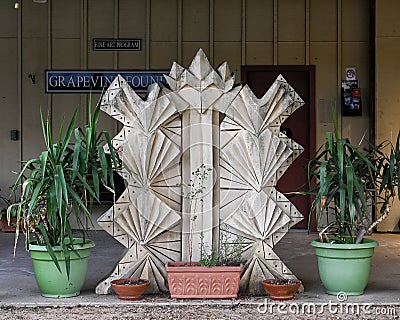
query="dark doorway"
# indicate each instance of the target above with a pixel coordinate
(300, 125)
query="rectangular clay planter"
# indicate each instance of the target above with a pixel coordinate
(195, 281)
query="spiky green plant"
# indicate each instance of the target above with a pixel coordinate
(387, 160)
(348, 183)
(63, 183)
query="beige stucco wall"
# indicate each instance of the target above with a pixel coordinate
(9, 104)
(331, 34)
(387, 84)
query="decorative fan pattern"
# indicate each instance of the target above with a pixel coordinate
(253, 158)
(167, 136)
(145, 219)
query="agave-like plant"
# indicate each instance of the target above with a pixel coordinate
(348, 183)
(388, 180)
(63, 183)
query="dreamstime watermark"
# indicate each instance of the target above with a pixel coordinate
(339, 307)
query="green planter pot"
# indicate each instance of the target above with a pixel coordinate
(53, 283)
(345, 267)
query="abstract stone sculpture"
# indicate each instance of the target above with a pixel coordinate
(202, 118)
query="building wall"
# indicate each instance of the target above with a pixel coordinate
(387, 112)
(331, 34)
(9, 94)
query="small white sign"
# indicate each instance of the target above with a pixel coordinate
(351, 73)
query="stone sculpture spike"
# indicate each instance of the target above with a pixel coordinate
(200, 65)
(224, 71)
(176, 70)
(175, 73)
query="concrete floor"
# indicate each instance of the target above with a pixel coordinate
(18, 286)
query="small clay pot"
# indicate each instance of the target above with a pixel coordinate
(128, 288)
(281, 289)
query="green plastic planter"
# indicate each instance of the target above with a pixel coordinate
(345, 267)
(53, 283)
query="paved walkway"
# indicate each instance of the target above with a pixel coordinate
(18, 290)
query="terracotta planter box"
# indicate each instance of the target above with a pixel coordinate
(195, 281)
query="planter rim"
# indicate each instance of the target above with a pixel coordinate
(294, 282)
(78, 245)
(367, 243)
(180, 266)
(116, 282)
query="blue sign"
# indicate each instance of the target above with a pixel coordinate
(84, 81)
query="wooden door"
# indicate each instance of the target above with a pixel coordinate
(300, 126)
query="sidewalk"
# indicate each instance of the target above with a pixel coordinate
(18, 287)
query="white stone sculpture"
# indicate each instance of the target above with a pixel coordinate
(202, 118)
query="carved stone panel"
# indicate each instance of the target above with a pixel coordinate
(201, 118)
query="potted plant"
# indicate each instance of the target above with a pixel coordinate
(347, 184)
(217, 274)
(281, 289)
(57, 188)
(130, 289)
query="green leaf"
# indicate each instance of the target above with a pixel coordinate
(67, 258)
(49, 247)
(96, 183)
(350, 188)
(103, 163)
(340, 157)
(43, 164)
(77, 154)
(63, 183)
(35, 195)
(67, 138)
(21, 174)
(78, 201)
